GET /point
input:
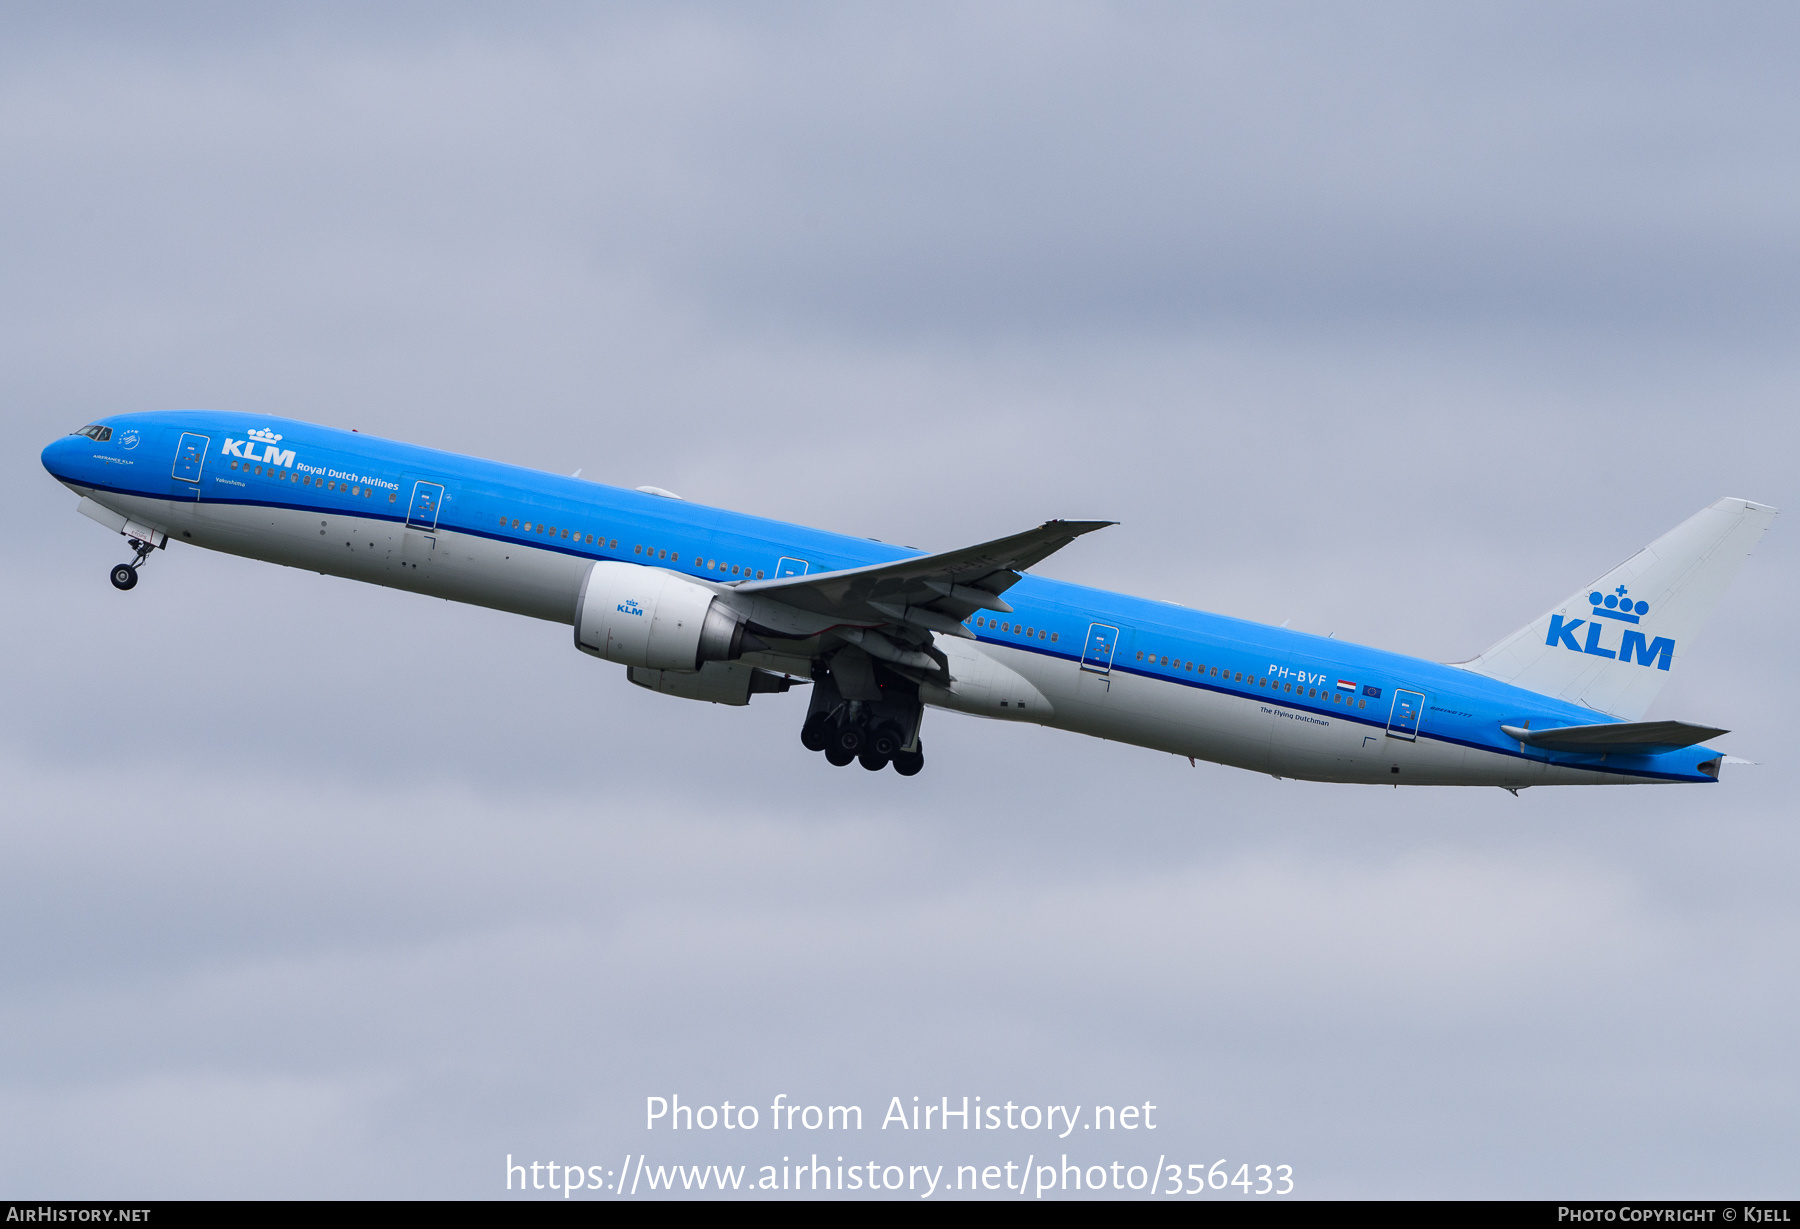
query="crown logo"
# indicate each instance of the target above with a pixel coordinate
(1616, 605)
(263, 434)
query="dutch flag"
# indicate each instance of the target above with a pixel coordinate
(1346, 685)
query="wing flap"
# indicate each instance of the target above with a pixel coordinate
(952, 584)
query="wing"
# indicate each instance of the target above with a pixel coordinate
(1620, 738)
(935, 592)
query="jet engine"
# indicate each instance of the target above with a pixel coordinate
(656, 620)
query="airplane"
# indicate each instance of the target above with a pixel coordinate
(706, 604)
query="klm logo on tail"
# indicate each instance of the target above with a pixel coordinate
(1618, 607)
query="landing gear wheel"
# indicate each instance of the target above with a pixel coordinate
(815, 735)
(124, 576)
(908, 763)
(873, 761)
(848, 740)
(837, 757)
(886, 740)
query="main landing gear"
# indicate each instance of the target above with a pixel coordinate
(874, 745)
(860, 711)
(125, 575)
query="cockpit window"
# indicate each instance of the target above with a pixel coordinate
(96, 433)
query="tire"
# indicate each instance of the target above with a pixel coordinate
(908, 763)
(872, 761)
(886, 740)
(816, 733)
(837, 757)
(124, 576)
(848, 739)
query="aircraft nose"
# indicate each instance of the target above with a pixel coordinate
(59, 456)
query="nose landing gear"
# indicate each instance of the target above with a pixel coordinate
(125, 575)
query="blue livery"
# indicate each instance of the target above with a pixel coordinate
(707, 604)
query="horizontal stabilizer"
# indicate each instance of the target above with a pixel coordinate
(1617, 738)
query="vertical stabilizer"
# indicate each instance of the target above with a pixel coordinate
(1611, 645)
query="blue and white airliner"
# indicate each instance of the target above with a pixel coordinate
(705, 604)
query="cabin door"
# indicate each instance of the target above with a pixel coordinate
(422, 513)
(190, 456)
(1097, 659)
(1403, 720)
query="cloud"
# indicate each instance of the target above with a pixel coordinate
(1398, 326)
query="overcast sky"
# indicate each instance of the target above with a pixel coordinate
(1397, 321)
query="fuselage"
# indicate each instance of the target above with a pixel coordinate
(1106, 664)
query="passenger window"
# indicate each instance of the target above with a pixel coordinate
(1028, 631)
(759, 576)
(674, 557)
(565, 533)
(1362, 704)
(1140, 656)
(613, 545)
(1310, 693)
(1052, 637)
(590, 539)
(735, 569)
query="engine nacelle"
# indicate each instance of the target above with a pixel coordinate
(654, 620)
(720, 682)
